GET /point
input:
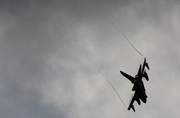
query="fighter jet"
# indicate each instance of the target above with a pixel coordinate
(140, 91)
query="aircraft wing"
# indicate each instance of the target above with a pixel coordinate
(131, 106)
(135, 98)
(127, 76)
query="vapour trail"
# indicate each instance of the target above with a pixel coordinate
(95, 67)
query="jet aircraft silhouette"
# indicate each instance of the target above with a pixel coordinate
(140, 91)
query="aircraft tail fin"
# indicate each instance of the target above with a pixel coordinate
(139, 71)
(147, 65)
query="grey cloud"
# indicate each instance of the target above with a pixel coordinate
(45, 74)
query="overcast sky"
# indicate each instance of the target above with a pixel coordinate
(55, 55)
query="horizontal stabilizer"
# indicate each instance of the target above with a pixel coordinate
(146, 76)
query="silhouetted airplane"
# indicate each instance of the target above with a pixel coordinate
(138, 87)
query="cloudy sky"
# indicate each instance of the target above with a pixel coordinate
(55, 56)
